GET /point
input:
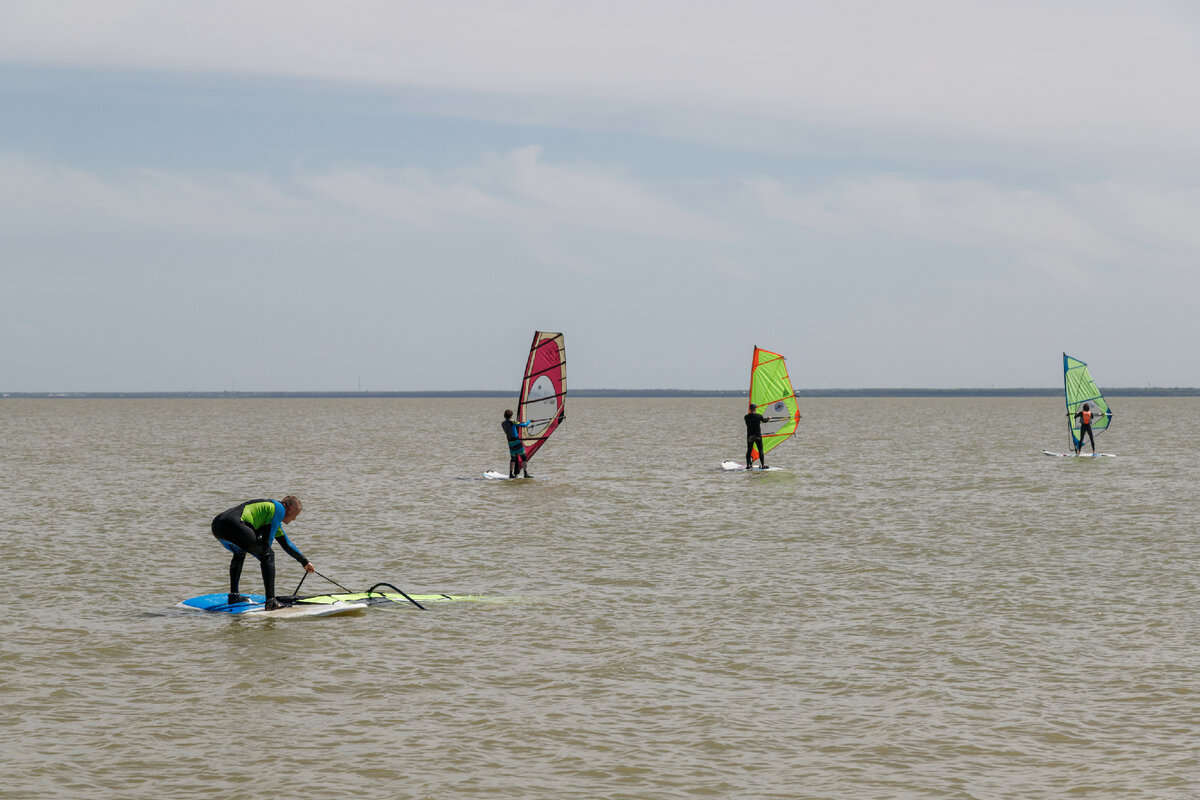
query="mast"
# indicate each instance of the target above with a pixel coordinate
(1067, 401)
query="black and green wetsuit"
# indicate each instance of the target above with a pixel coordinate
(250, 528)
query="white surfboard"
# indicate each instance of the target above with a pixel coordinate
(493, 475)
(1079, 455)
(736, 466)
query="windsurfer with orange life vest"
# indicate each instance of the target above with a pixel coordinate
(1085, 416)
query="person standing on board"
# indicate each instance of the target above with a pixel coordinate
(516, 448)
(754, 422)
(1085, 415)
(251, 528)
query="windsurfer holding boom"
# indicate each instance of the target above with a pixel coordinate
(251, 528)
(754, 422)
(1085, 416)
(516, 449)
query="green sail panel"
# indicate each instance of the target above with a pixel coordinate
(771, 390)
(1080, 389)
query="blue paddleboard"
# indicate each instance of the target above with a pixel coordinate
(254, 605)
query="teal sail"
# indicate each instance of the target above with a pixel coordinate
(1080, 388)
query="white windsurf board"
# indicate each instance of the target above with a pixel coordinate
(493, 475)
(736, 466)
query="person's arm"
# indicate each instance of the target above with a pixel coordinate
(291, 550)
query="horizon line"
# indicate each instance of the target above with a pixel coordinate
(1026, 391)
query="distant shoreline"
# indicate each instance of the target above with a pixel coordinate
(626, 393)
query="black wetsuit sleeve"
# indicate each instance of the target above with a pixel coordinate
(291, 550)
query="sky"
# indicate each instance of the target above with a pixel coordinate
(289, 195)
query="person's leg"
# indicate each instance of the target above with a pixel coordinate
(237, 537)
(235, 575)
(762, 455)
(266, 563)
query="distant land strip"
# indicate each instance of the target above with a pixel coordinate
(1149, 391)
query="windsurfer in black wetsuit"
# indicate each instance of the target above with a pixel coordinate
(754, 422)
(251, 528)
(516, 448)
(1085, 416)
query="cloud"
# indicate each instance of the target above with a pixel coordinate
(64, 196)
(518, 191)
(1160, 217)
(1069, 233)
(1069, 73)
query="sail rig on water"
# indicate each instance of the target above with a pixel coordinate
(771, 390)
(543, 390)
(1079, 389)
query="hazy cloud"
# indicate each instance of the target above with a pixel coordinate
(1074, 73)
(65, 197)
(1068, 234)
(518, 190)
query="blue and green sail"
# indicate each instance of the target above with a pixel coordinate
(771, 390)
(1080, 389)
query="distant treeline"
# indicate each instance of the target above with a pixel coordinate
(1149, 391)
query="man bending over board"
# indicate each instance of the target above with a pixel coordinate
(251, 528)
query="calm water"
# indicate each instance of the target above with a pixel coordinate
(920, 606)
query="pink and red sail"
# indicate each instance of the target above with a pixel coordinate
(543, 390)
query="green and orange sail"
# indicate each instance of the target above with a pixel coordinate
(771, 390)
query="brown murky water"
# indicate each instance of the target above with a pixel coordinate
(919, 605)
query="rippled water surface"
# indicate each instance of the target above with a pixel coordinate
(920, 605)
